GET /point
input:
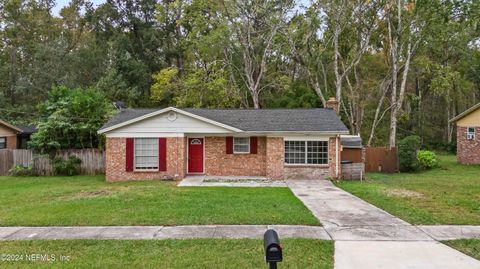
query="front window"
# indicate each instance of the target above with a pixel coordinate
(146, 154)
(241, 145)
(3, 142)
(306, 152)
(470, 133)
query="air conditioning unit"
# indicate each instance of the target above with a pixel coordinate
(470, 136)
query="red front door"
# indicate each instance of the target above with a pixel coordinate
(195, 155)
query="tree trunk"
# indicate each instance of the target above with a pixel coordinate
(13, 62)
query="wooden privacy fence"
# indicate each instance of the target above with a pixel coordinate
(381, 159)
(93, 160)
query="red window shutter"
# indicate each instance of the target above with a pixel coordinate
(229, 145)
(162, 154)
(253, 145)
(129, 155)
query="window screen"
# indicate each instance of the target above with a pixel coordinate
(470, 133)
(306, 152)
(241, 145)
(294, 152)
(146, 153)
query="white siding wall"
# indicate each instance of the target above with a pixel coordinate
(161, 126)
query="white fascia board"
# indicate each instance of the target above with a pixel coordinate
(143, 135)
(274, 134)
(299, 133)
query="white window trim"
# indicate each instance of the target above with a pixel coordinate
(471, 134)
(135, 157)
(241, 152)
(306, 155)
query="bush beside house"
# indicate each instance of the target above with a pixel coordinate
(411, 158)
(407, 153)
(427, 159)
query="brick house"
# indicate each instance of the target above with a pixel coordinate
(173, 143)
(14, 137)
(468, 135)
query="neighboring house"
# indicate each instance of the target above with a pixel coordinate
(14, 137)
(174, 143)
(468, 135)
(352, 148)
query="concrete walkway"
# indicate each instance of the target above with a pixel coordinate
(160, 232)
(400, 255)
(207, 231)
(368, 237)
(451, 232)
(347, 217)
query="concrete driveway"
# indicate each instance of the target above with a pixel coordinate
(368, 237)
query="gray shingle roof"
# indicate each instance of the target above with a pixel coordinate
(257, 120)
(27, 129)
(351, 142)
(126, 115)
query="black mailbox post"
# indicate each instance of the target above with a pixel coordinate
(273, 250)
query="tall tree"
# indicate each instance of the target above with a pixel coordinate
(254, 24)
(405, 27)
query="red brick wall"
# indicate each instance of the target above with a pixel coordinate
(219, 163)
(115, 161)
(269, 161)
(332, 156)
(468, 151)
(275, 157)
(306, 172)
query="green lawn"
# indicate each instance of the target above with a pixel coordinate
(194, 253)
(446, 195)
(471, 247)
(87, 200)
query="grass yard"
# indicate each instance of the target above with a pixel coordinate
(449, 194)
(194, 253)
(471, 247)
(87, 200)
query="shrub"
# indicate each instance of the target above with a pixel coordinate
(21, 171)
(427, 159)
(69, 167)
(407, 153)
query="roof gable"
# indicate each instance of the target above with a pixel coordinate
(466, 113)
(9, 126)
(150, 121)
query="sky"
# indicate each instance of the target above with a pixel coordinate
(61, 3)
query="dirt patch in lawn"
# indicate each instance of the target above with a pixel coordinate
(93, 193)
(86, 195)
(404, 193)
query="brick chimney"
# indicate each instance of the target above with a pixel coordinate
(333, 104)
